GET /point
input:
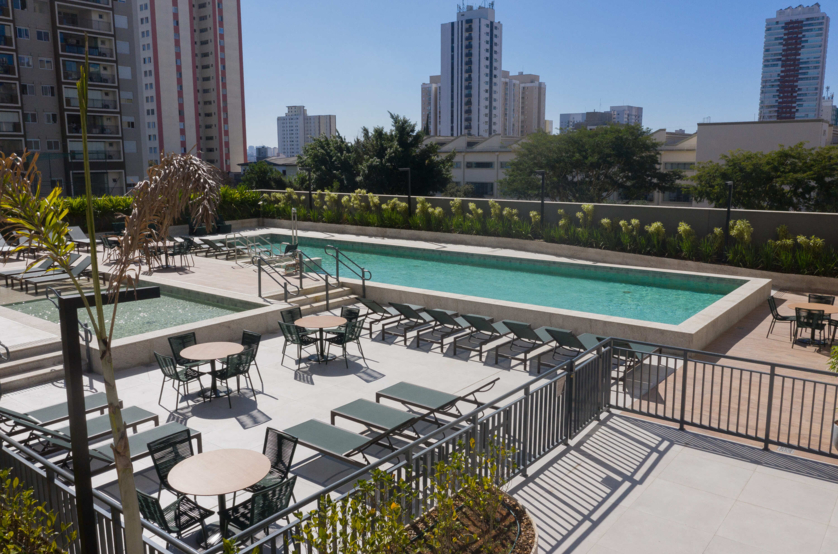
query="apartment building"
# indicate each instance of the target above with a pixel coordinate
(619, 115)
(478, 161)
(143, 88)
(296, 128)
(793, 64)
(627, 115)
(473, 95)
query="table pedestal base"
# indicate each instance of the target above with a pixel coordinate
(321, 358)
(209, 393)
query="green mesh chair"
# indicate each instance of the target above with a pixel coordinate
(293, 335)
(168, 452)
(236, 366)
(176, 518)
(349, 313)
(813, 320)
(279, 448)
(118, 226)
(351, 333)
(180, 342)
(776, 317)
(175, 376)
(821, 299)
(291, 314)
(260, 506)
(251, 339)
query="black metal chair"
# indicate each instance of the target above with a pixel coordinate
(118, 226)
(291, 314)
(812, 320)
(293, 335)
(251, 339)
(260, 506)
(238, 366)
(351, 333)
(178, 344)
(776, 316)
(349, 313)
(176, 518)
(177, 376)
(279, 448)
(821, 299)
(168, 452)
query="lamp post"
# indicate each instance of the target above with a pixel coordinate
(542, 173)
(729, 202)
(409, 210)
(310, 188)
(261, 217)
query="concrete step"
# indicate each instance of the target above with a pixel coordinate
(334, 294)
(32, 363)
(27, 351)
(32, 378)
(333, 303)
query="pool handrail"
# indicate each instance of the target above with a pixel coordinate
(362, 273)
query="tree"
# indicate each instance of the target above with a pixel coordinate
(262, 176)
(180, 183)
(332, 161)
(589, 165)
(382, 153)
(456, 190)
(790, 178)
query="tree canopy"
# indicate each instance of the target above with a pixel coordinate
(262, 176)
(588, 165)
(373, 161)
(790, 178)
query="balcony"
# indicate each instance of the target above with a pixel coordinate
(9, 93)
(99, 73)
(5, 10)
(6, 40)
(96, 155)
(92, 103)
(71, 43)
(96, 124)
(100, 2)
(7, 65)
(89, 20)
(10, 127)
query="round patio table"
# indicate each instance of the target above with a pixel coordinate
(209, 352)
(827, 309)
(320, 322)
(218, 473)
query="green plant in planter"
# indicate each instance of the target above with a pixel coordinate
(687, 242)
(230, 547)
(833, 360)
(658, 235)
(26, 526)
(448, 531)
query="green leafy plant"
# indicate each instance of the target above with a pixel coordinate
(833, 360)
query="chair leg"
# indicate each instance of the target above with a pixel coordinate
(259, 373)
(361, 350)
(770, 327)
(160, 398)
(345, 356)
(283, 351)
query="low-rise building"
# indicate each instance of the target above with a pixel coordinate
(479, 161)
(286, 166)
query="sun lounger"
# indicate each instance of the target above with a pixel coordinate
(484, 332)
(375, 415)
(529, 340)
(568, 346)
(7, 249)
(58, 412)
(629, 354)
(215, 249)
(413, 318)
(75, 271)
(446, 325)
(43, 269)
(377, 313)
(138, 444)
(336, 442)
(79, 238)
(432, 400)
(38, 268)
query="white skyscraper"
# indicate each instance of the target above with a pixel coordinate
(296, 128)
(793, 64)
(627, 115)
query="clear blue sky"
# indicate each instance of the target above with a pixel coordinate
(680, 61)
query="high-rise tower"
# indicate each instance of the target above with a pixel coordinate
(793, 64)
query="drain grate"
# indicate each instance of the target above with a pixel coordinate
(785, 450)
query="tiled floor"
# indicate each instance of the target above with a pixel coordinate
(633, 486)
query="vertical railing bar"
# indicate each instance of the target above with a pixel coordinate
(767, 440)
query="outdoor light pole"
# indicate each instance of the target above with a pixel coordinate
(542, 173)
(409, 211)
(310, 188)
(729, 202)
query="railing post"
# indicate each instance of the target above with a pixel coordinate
(259, 275)
(569, 399)
(337, 264)
(686, 361)
(525, 450)
(117, 530)
(285, 290)
(326, 277)
(770, 406)
(300, 268)
(601, 386)
(363, 283)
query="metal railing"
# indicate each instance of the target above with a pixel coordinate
(357, 270)
(264, 266)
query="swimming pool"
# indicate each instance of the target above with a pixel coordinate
(654, 296)
(135, 318)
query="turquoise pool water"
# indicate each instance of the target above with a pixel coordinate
(655, 296)
(134, 318)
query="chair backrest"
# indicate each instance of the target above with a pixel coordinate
(291, 314)
(772, 305)
(407, 311)
(290, 249)
(167, 365)
(522, 331)
(271, 500)
(76, 233)
(821, 299)
(179, 342)
(168, 452)
(291, 332)
(239, 364)
(372, 306)
(349, 313)
(151, 511)
(251, 339)
(442, 317)
(76, 270)
(565, 338)
(808, 319)
(481, 323)
(354, 330)
(118, 226)
(279, 448)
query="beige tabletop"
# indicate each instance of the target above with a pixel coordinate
(219, 472)
(320, 321)
(826, 308)
(211, 350)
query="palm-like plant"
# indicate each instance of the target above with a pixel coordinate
(179, 184)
